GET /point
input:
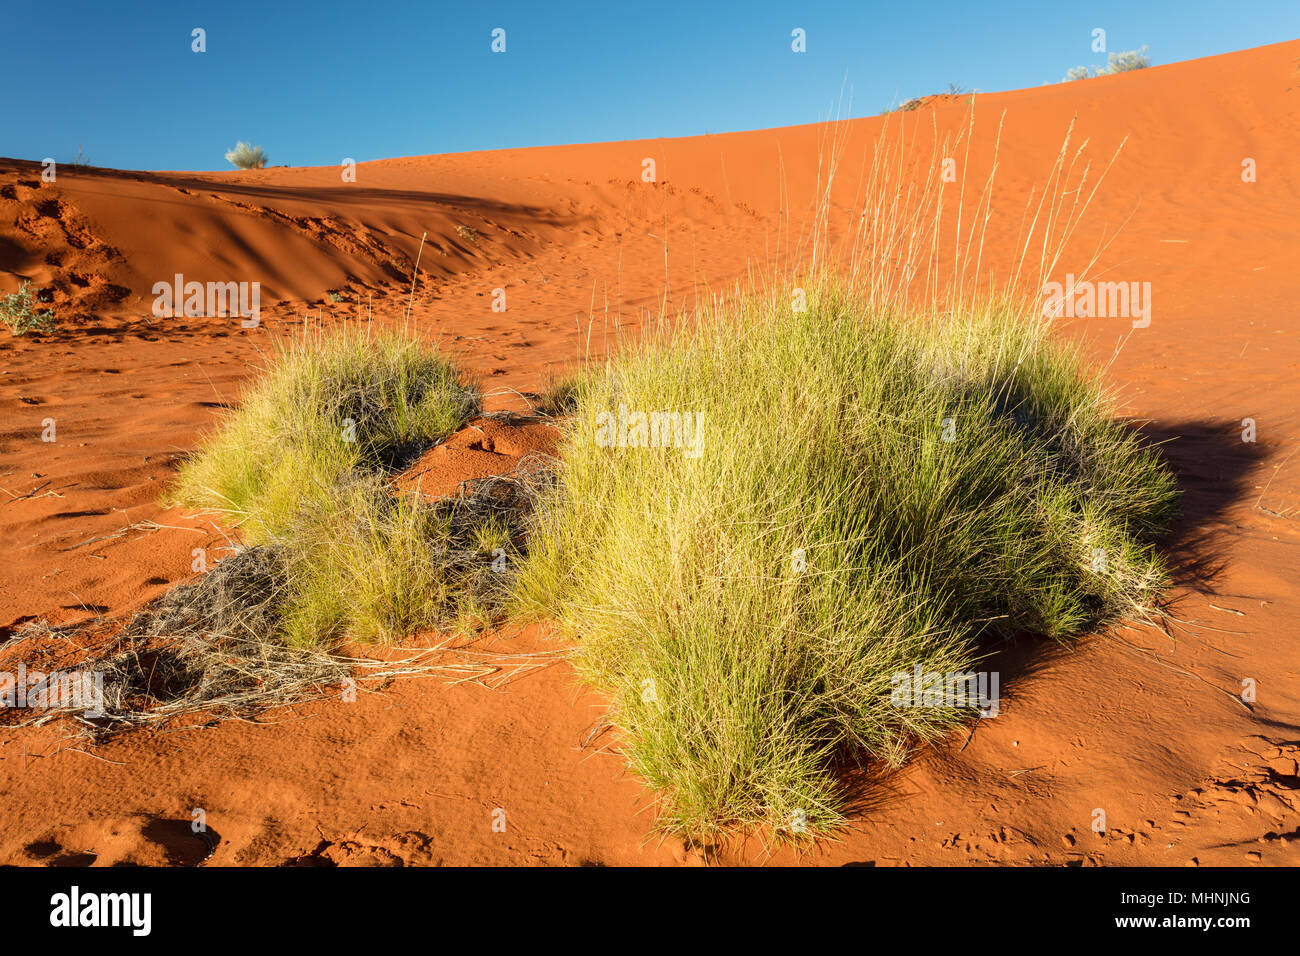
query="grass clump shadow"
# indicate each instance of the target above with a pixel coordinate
(765, 516)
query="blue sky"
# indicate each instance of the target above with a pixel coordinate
(316, 82)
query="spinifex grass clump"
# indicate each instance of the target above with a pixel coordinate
(373, 565)
(305, 466)
(861, 491)
(326, 409)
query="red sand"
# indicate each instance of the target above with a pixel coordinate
(1146, 728)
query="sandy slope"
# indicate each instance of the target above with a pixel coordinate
(1141, 726)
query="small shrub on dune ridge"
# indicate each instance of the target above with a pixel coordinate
(746, 609)
(1116, 63)
(245, 156)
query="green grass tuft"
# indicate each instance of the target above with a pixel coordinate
(324, 410)
(305, 464)
(558, 396)
(747, 608)
(372, 566)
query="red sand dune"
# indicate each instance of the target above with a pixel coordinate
(1146, 727)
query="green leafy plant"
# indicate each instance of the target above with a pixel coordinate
(18, 315)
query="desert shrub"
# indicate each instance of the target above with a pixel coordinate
(1128, 60)
(1117, 63)
(19, 317)
(245, 156)
(872, 491)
